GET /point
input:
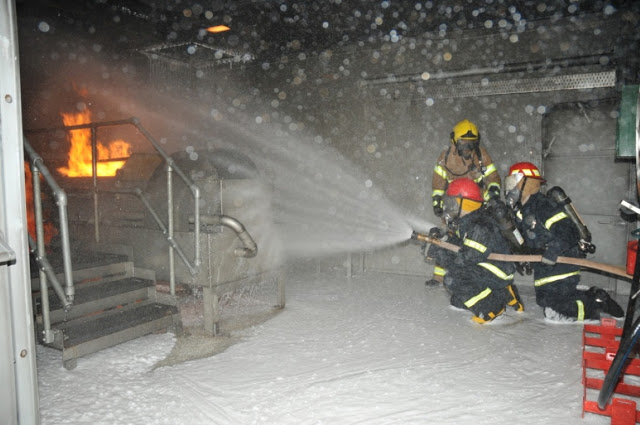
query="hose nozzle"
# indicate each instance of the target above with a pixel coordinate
(420, 237)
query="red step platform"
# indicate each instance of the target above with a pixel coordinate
(599, 346)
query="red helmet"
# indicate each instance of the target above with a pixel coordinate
(465, 188)
(527, 169)
(519, 171)
(462, 196)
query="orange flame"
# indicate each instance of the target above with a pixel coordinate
(79, 163)
(49, 229)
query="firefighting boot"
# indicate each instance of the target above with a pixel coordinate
(438, 277)
(433, 282)
(604, 302)
(486, 318)
(513, 298)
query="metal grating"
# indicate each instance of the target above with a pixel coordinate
(184, 60)
(520, 85)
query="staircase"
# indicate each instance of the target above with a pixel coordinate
(114, 302)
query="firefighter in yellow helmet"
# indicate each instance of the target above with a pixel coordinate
(463, 158)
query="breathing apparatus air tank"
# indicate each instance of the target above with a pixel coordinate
(502, 215)
(558, 194)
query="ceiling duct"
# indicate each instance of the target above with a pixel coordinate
(566, 74)
(188, 59)
(519, 85)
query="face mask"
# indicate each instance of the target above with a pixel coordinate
(512, 194)
(465, 148)
(511, 182)
(451, 211)
(512, 198)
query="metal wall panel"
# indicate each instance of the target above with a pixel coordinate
(18, 392)
(579, 156)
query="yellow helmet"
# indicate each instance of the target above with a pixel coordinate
(465, 130)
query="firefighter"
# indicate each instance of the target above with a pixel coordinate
(549, 230)
(463, 158)
(484, 287)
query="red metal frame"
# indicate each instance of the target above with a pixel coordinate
(622, 411)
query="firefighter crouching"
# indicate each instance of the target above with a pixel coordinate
(463, 158)
(549, 230)
(484, 287)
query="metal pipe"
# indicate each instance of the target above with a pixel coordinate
(81, 126)
(250, 249)
(172, 271)
(196, 193)
(94, 173)
(40, 253)
(147, 204)
(66, 246)
(45, 266)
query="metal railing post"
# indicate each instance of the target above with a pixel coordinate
(47, 334)
(94, 173)
(172, 273)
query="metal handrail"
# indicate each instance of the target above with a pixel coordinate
(171, 167)
(156, 217)
(38, 249)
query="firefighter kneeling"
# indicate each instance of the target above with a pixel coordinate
(548, 227)
(484, 287)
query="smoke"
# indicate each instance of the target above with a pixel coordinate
(320, 203)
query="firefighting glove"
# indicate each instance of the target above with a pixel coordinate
(437, 233)
(549, 257)
(494, 193)
(524, 267)
(437, 205)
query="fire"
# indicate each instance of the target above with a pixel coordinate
(110, 157)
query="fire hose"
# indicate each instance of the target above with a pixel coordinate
(607, 268)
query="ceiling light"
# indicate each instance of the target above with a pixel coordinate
(218, 28)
